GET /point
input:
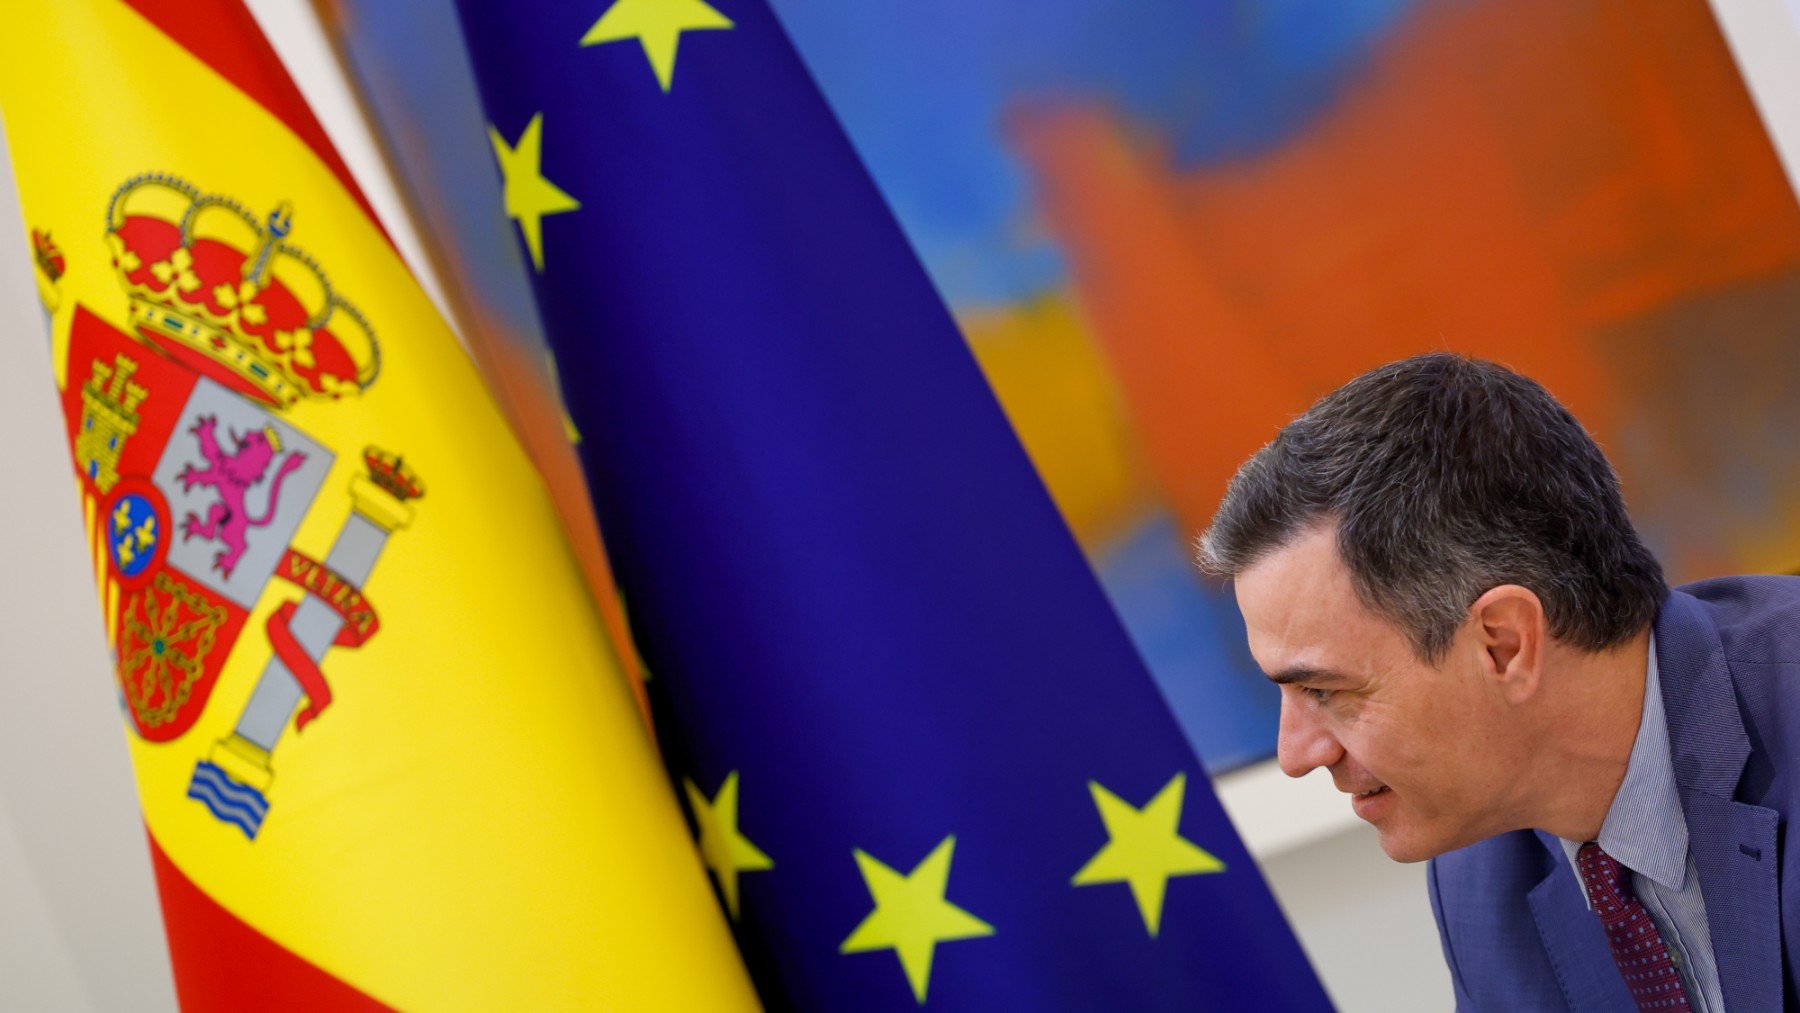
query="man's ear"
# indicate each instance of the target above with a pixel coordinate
(1509, 628)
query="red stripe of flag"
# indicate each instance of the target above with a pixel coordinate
(221, 963)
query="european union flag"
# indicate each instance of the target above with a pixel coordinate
(925, 765)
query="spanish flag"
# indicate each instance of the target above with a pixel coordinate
(384, 751)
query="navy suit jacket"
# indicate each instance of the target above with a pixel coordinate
(1516, 931)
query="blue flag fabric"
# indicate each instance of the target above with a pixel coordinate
(925, 765)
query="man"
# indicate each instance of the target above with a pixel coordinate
(1435, 564)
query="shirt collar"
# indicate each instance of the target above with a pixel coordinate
(1644, 829)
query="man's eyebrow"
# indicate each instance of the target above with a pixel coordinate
(1304, 674)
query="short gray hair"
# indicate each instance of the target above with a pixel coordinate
(1445, 477)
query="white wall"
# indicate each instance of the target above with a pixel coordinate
(79, 927)
(1366, 923)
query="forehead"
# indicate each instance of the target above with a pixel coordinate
(1300, 608)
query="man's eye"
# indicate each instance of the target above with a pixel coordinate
(1320, 695)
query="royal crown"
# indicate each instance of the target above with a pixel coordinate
(391, 472)
(48, 255)
(215, 288)
(50, 268)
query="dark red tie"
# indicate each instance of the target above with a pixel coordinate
(1637, 947)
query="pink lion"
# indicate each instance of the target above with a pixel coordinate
(228, 521)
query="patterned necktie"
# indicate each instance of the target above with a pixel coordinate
(1637, 947)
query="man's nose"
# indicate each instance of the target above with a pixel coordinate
(1303, 741)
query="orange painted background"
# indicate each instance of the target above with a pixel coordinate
(1548, 184)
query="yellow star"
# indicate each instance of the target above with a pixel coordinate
(726, 851)
(529, 196)
(657, 26)
(911, 915)
(1145, 849)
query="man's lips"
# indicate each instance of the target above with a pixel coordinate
(1372, 803)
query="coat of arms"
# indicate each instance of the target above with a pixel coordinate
(196, 484)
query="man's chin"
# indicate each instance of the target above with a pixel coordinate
(1404, 844)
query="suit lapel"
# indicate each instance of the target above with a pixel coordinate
(1574, 940)
(1733, 842)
